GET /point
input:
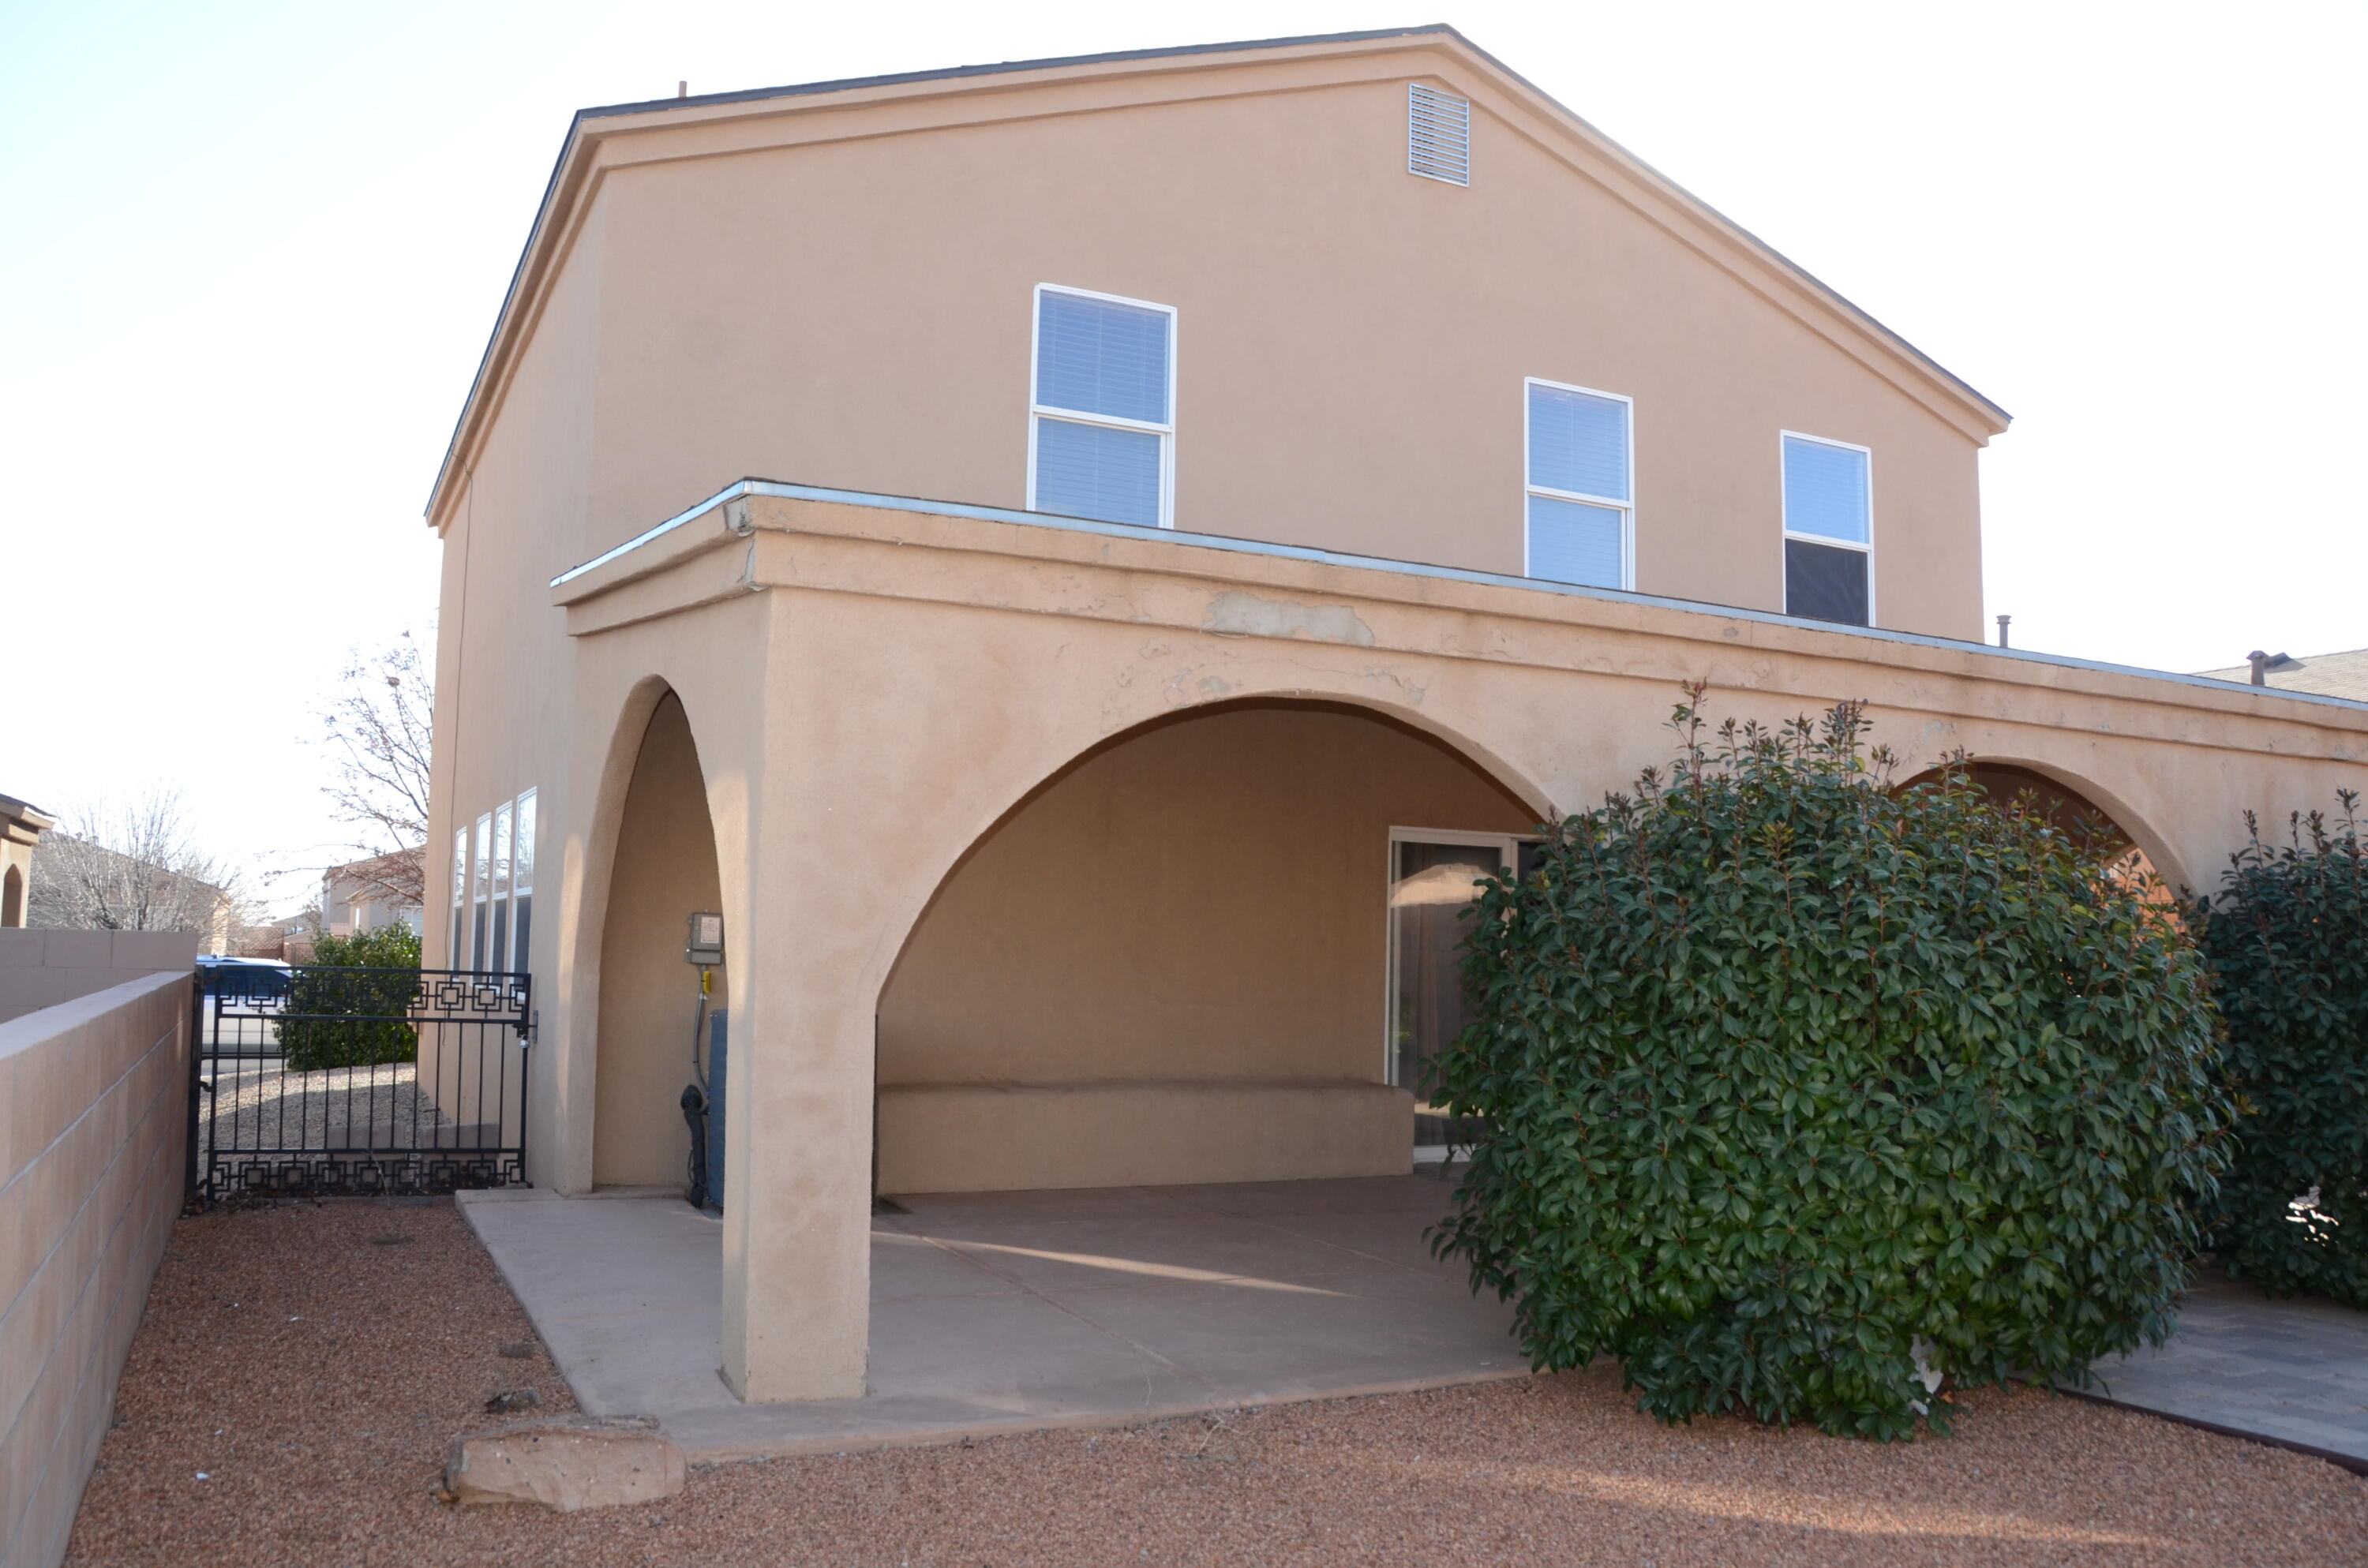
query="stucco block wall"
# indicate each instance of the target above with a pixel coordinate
(93, 1093)
(41, 968)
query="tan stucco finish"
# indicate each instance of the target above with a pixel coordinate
(871, 691)
(649, 993)
(1202, 901)
(914, 731)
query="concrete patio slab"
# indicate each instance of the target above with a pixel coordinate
(1007, 1311)
(2292, 1370)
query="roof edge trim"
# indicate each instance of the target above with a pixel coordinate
(786, 490)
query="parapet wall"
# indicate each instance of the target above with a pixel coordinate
(94, 1102)
(41, 969)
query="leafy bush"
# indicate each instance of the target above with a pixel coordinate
(2287, 939)
(346, 1008)
(1791, 1083)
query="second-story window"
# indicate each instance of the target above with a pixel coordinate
(1829, 530)
(1102, 425)
(1581, 502)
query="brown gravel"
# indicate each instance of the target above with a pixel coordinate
(319, 1403)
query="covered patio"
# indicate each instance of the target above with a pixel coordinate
(1007, 1311)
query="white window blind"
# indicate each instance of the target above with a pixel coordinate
(1829, 530)
(1438, 135)
(1580, 498)
(1101, 428)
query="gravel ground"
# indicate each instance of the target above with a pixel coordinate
(261, 1104)
(314, 1367)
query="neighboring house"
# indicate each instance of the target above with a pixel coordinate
(1219, 502)
(371, 894)
(21, 826)
(2331, 675)
(77, 885)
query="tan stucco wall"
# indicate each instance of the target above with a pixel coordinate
(836, 289)
(41, 968)
(1351, 339)
(665, 870)
(1023, 1136)
(93, 1096)
(877, 688)
(1202, 900)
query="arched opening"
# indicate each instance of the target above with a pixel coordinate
(664, 870)
(2101, 837)
(1172, 962)
(12, 898)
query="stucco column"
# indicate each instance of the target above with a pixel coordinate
(804, 982)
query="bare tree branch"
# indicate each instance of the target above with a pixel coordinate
(377, 733)
(131, 866)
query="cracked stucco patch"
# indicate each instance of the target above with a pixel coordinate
(1236, 614)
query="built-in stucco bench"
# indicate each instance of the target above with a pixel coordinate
(1008, 1137)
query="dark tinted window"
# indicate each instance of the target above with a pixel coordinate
(1824, 583)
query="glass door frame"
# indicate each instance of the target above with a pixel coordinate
(1507, 846)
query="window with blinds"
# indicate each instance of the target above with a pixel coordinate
(1102, 428)
(1829, 530)
(1580, 498)
(1438, 135)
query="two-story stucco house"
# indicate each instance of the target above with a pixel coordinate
(1207, 505)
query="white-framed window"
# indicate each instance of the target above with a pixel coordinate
(1102, 425)
(480, 876)
(1580, 500)
(522, 886)
(1828, 529)
(455, 953)
(497, 950)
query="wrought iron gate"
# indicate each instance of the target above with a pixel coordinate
(313, 1081)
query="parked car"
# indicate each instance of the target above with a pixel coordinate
(250, 979)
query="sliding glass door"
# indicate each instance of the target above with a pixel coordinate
(1434, 877)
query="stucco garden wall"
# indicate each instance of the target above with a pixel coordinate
(93, 1122)
(41, 968)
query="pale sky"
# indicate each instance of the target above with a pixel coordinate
(253, 251)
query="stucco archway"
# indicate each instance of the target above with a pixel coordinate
(2115, 831)
(1165, 962)
(662, 867)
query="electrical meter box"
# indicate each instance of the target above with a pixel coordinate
(705, 947)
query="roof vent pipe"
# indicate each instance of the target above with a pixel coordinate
(2004, 622)
(2264, 663)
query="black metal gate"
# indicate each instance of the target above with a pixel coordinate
(313, 1081)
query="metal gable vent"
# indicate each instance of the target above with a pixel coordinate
(1438, 135)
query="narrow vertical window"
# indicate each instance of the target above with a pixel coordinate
(522, 887)
(1829, 530)
(479, 874)
(452, 950)
(1101, 428)
(500, 947)
(1581, 518)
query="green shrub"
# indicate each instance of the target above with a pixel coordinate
(2287, 939)
(346, 1008)
(1790, 1081)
